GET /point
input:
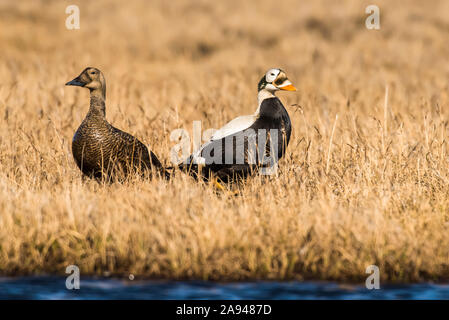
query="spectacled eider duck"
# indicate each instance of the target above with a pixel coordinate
(247, 143)
(101, 150)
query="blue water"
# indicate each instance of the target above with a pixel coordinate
(92, 288)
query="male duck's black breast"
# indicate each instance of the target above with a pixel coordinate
(274, 119)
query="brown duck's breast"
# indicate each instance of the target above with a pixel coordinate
(89, 148)
(99, 146)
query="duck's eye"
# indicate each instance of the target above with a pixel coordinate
(272, 74)
(279, 81)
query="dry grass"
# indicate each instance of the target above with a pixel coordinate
(376, 194)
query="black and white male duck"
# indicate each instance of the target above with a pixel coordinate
(248, 143)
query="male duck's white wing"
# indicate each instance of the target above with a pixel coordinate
(238, 124)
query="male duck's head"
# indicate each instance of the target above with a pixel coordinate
(90, 78)
(274, 80)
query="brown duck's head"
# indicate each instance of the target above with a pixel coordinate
(90, 78)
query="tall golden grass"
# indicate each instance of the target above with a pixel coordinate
(370, 187)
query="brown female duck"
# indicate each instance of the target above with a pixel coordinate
(101, 150)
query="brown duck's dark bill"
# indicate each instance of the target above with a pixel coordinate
(75, 82)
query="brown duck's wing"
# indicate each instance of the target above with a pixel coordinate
(129, 146)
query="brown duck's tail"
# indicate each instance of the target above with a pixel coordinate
(191, 169)
(158, 167)
(168, 172)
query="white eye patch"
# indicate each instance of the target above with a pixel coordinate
(271, 75)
